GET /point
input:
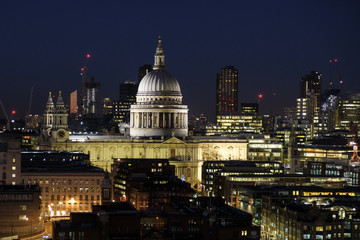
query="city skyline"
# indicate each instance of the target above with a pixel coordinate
(273, 45)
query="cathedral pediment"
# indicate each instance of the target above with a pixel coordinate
(174, 140)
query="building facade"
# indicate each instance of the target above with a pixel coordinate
(189, 153)
(10, 161)
(65, 190)
(25, 217)
(227, 91)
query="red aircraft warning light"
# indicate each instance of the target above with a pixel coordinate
(87, 55)
(13, 112)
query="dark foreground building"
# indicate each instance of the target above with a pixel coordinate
(25, 215)
(183, 218)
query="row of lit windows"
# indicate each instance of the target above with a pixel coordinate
(75, 189)
(59, 182)
(75, 197)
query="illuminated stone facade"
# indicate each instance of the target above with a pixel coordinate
(189, 153)
(65, 191)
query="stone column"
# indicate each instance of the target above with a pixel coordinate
(164, 123)
(136, 120)
(170, 120)
(131, 119)
(140, 120)
(176, 119)
(183, 120)
(145, 119)
(158, 120)
(180, 120)
(173, 117)
(152, 120)
(148, 120)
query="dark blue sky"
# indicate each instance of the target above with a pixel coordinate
(272, 44)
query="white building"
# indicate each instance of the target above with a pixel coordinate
(158, 110)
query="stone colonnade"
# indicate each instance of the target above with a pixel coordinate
(158, 120)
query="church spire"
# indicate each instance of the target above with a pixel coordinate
(60, 100)
(50, 101)
(159, 57)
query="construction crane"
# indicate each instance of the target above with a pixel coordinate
(338, 72)
(336, 62)
(330, 80)
(83, 84)
(7, 117)
(30, 100)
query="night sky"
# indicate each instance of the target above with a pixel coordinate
(272, 44)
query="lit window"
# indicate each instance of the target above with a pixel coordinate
(13, 168)
(13, 175)
(319, 229)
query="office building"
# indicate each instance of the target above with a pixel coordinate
(143, 70)
(20, 208)
(74, 102)
(227, 91)
(127, 97)
(147, 183)
(66, 189)
(311, 85)
(290, 113)
(127, 91)
(93, 103)
(183, 218)
(236, 124)
(349, 111)
(212, 171)
(10, 160)
(108, 108)
(249, 108)
(198, 124)
(262, 149)
(309, 101)
(295, 220)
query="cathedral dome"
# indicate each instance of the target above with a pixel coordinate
(159, 83)
(158, 110)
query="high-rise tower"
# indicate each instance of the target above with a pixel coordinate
(143, 70)
(227, 91)
(127, 97)
(310, 85)
(309, 100)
